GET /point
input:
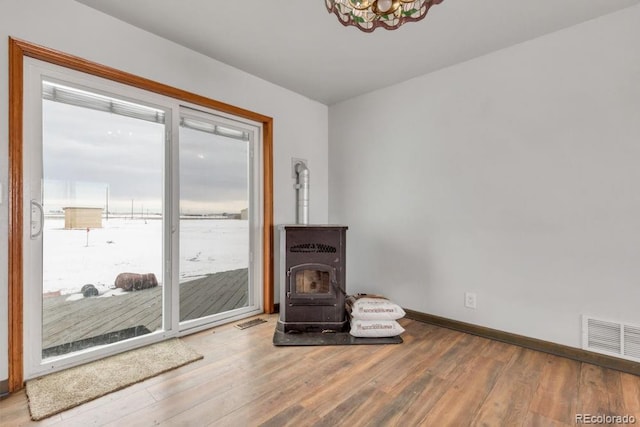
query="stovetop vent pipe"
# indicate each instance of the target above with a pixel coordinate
(302, 193)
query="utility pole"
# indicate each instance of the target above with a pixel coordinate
(107, 210)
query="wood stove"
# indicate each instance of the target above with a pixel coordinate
(312, 278)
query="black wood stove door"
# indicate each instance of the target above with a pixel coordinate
(312, 284)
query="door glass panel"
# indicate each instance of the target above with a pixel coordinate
(214, 218)
(312, 282)
(103, 228)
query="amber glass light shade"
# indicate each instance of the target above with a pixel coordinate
(367, 15)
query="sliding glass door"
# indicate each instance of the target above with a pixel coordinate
(215, 216)
(102, 235)
(141, 218)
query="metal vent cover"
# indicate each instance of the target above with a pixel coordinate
(610, 337)
(631, 338)
(314, 248)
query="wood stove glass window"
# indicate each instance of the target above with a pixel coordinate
(313, 282)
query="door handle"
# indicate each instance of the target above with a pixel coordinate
(40, 223)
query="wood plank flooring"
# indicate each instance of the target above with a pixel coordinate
(437, 377)
(65, 321)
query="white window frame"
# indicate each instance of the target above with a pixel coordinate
(34, 70)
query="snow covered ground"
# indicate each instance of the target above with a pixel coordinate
(73, 258)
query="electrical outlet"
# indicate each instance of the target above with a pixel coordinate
(470, 300)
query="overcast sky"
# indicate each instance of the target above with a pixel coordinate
(88, 151)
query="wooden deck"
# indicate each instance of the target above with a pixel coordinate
(66, 322)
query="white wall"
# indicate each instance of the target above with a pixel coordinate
(300, 125)
(514, 175)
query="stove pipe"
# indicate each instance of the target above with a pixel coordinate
(302, 193)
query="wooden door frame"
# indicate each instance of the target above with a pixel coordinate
(18, 50)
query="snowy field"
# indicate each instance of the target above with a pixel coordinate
(73, 258)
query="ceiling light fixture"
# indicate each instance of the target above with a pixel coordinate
(368, 15)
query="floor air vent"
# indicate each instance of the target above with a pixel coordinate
(613, 338)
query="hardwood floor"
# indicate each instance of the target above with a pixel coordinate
(437, 377)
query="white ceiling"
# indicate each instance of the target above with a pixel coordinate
(298, 45)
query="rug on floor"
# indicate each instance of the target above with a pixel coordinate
(63, 390)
